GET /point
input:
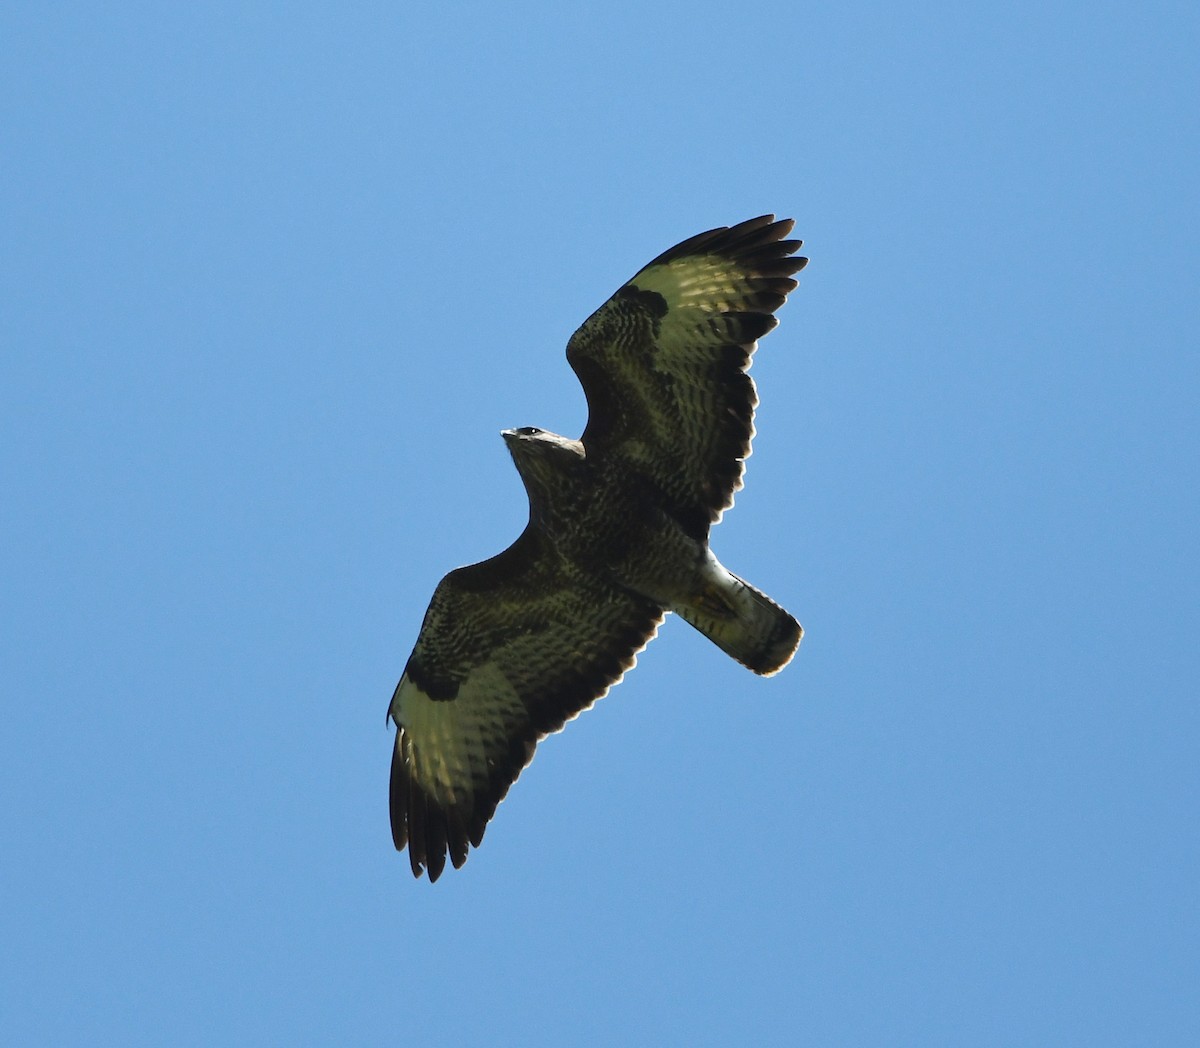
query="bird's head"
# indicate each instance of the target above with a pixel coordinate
(547, 462)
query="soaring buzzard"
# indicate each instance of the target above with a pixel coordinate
(514, 647)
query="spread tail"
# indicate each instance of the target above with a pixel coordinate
(742, 621)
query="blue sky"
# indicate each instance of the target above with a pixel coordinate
(274, 277)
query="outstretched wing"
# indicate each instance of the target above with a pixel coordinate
(510, 650)
(663, 363)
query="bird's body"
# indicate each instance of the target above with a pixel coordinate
(513, 647)
(614, 528)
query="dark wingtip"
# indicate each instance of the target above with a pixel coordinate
(435, 845)
(431, 833)
(398, 799)
(759, 242)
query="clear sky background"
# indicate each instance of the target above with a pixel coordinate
(273, 278)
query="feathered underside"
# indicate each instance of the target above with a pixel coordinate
(663, 363)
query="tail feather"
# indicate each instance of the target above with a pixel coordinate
(744, 622)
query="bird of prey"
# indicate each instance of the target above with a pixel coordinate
(514, 647)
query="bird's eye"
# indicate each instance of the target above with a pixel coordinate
(529, 431)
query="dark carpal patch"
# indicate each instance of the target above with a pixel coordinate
(648, 301)
(439, 687)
